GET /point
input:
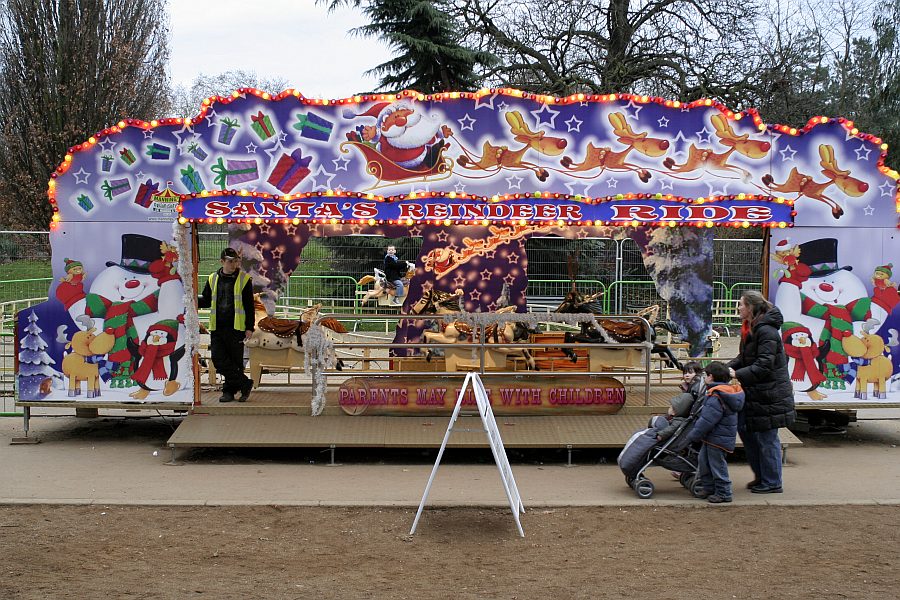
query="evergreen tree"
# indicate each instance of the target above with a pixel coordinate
(428, 57)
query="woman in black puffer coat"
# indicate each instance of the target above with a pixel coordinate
(761, 367)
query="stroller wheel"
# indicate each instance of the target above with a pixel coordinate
(644, 489)
(686, 479)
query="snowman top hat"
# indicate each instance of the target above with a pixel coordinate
(821, 257)
(138, 251)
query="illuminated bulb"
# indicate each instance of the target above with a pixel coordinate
(257, 220)
(295, 221)
(182, 220)
(219, 221)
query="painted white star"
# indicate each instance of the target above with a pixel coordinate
(319, 175)
(275, 150)
(466, 122)
(251, 148)
(485, 275)
(140, 175)
(81, 176)
(714, 192)
(704, 136)
(513, 258)
(544, 111)
(663, 122)
(460, 188)
(612, 182)
(485, 101)
(441, 236)
(341, 162)
(282, 136)
(862, 153)
(888, 188)
(503, 106)
(490, 254)
(574, 124)
(459, 280)
(869, 210)
(265, 228)
(509, 279)
(415, 231)
(210, 115)
(474, 295)
(184, 135)
(666, 184)
(787, 151)
(632, 110)
(585, 187)
(515, 182)
(107, 145)
(680, 142)
(148, 134)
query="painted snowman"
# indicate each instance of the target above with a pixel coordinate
(129, 296)
(831, 303)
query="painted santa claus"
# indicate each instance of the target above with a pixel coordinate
(404, 134)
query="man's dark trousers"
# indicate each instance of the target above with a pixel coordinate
(227, 349)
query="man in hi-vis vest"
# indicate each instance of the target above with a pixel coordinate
(229, 295)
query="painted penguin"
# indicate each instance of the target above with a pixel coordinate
(157, 359)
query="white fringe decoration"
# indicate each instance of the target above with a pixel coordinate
(182, 236)
(319, 355)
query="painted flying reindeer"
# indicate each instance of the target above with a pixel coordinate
(805, 185)
(606, 159)
(434, 302)
(494, 159)
(717, 162)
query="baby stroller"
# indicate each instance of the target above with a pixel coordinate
(674, 454)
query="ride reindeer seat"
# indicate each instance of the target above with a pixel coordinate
(293, 328)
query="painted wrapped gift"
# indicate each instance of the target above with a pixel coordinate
(197, 151)
(262, 125)
(115, 187)
(190, 177)
(106, 162)
(227, 128)
(234, 172)
(158, 151)
(145, 193)
(313, 126)
(290, 170)
(127, 156)
(85, 203)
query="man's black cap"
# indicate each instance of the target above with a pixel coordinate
(229, 253)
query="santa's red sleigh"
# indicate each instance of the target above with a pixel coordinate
(387, 172)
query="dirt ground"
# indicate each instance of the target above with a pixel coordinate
(603, 552)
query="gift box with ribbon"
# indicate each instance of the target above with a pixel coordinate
(106, 162)
(190, 177)
(115, 187)
(127, 156)
(262, 125)
(85, 203)
(227, 127)
(313, 126)
(234, 172)
(158, 151)
(198, 152)
(290, 170)
(145, 193)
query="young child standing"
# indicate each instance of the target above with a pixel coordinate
(716, 427)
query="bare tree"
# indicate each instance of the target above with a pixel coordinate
(69, 68)
(187, 102)
(676, 48)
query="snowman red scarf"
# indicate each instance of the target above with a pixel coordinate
(152, 360)
(804, 358)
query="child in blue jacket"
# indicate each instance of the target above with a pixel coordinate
(717, 427)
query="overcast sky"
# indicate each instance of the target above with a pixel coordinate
(292, 39)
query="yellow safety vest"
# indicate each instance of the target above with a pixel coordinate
(240, 318)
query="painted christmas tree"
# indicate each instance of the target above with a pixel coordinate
(35, 372)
